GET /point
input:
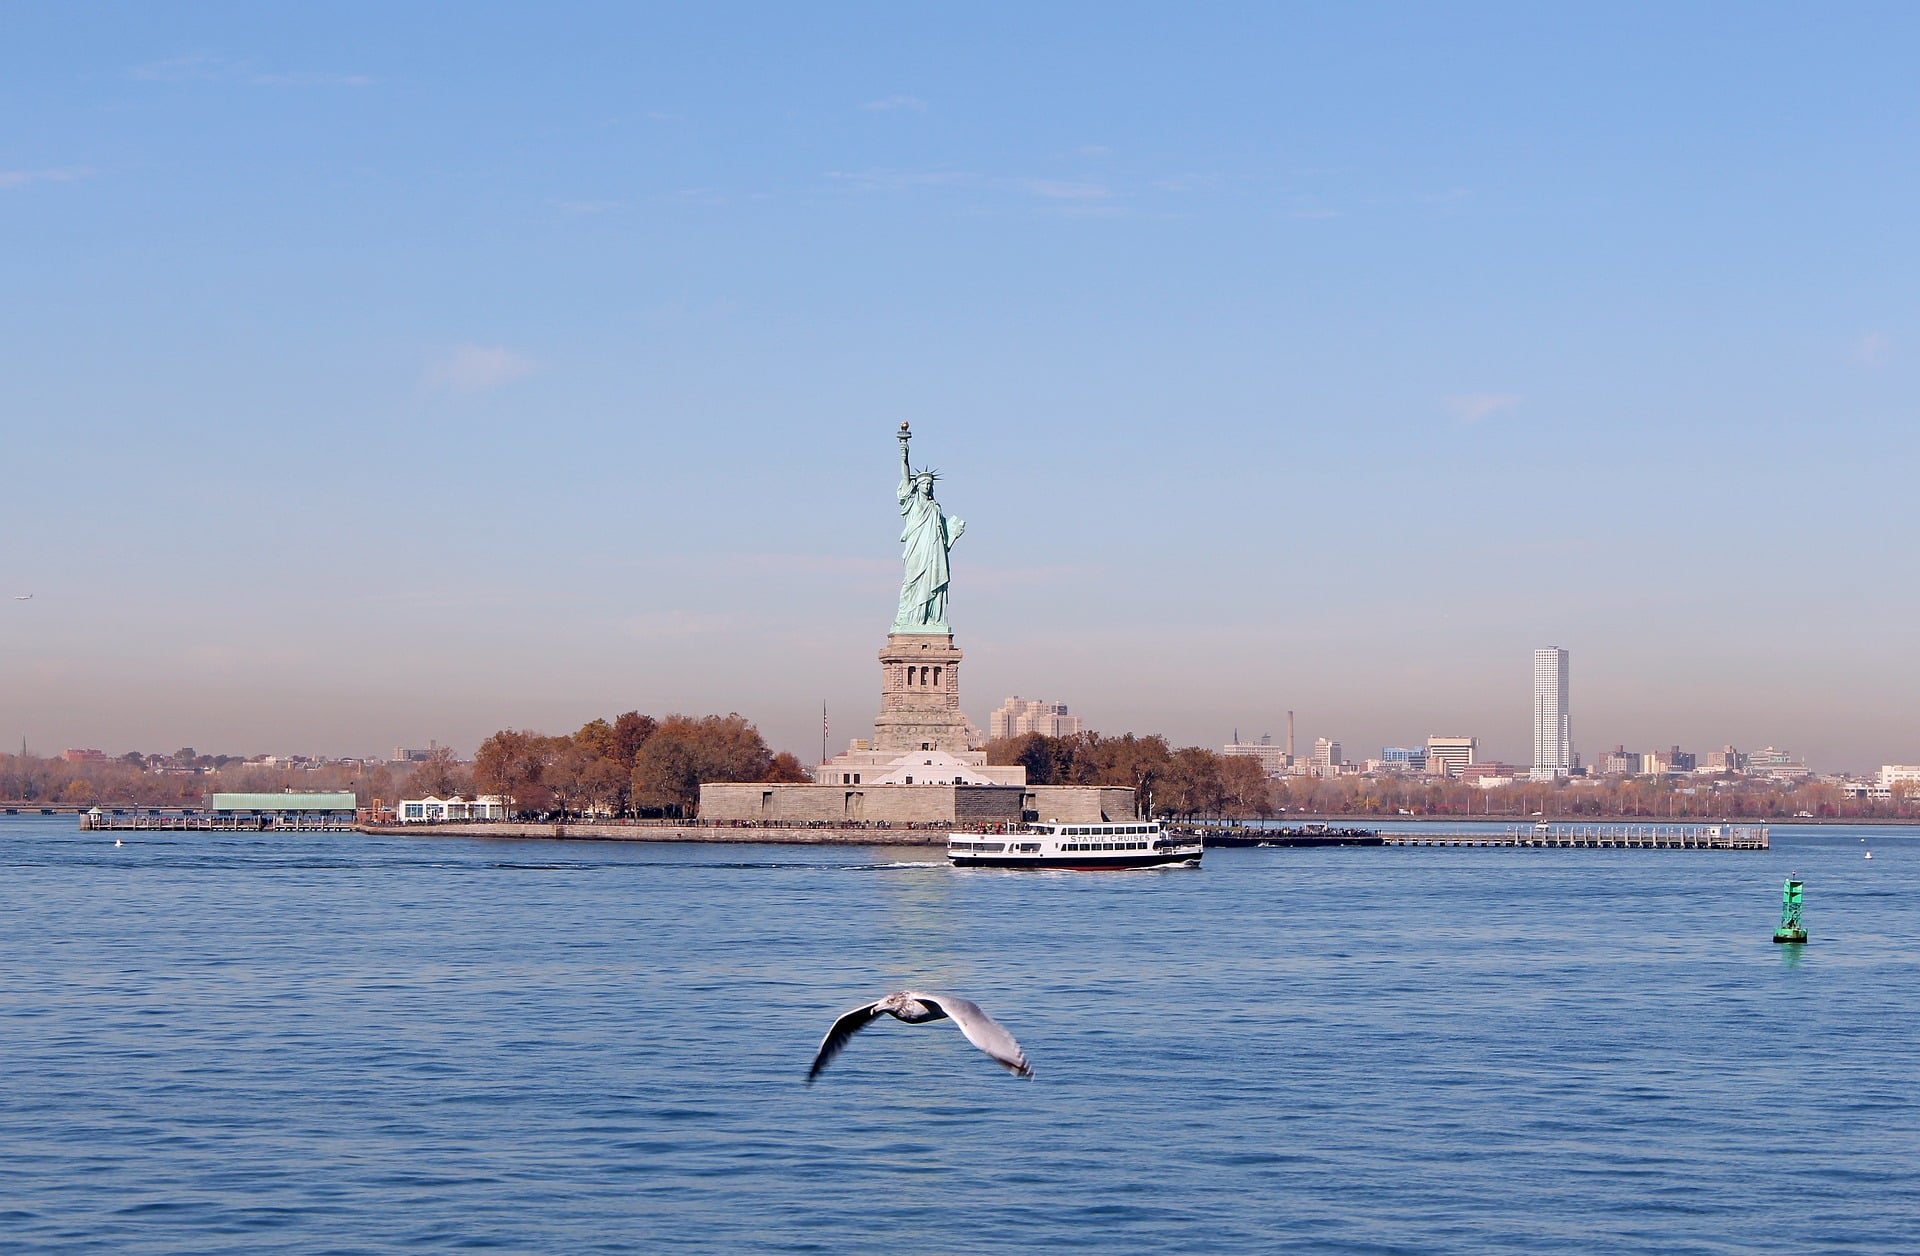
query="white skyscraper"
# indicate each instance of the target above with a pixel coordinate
(1552, 723)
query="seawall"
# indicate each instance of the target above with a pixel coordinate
(794, 835)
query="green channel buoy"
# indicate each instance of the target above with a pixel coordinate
(1790, 930)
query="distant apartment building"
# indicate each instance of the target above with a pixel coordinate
(1552, 718)
(1725, 759)
(1019, 716)
(1403, 758)
(1619, 761)
(1670, 762)
(1326, 753)
(1274, 760)
(83, 756)
(1451, 756)
(1892, 774)
(1780, 764)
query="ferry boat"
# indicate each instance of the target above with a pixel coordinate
(1075, 847)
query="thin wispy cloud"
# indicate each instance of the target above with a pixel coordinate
(892, 180)
(1471, 408)
(1066, 189)
(26, 178)
(1187, 181)
(204, 67)
(470, 369)
(887, 104)
(1872, 349)
(1063, 195)
(588, 207)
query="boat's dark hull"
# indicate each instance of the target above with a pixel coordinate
(1145, 859)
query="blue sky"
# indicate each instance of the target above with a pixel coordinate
(376, 373)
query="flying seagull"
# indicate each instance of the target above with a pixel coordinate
(24, 598)
(916, 1008)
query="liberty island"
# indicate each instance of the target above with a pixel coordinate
(924, 763)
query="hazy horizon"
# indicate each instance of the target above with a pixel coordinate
(373, 376)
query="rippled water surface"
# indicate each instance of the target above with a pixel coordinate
(341, 1043)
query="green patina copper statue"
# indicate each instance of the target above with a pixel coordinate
(927, 536)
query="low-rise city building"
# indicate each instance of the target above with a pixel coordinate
(1274, 760)
(1452, 754)
(1403, 758)
(1778, 764)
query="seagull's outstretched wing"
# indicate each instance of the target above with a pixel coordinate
(981, 1030)
(843, 1029)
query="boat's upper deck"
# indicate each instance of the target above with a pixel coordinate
(1051, 838)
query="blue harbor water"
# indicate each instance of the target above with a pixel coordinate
(334, 1043)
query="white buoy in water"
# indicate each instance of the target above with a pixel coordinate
(1869, 854)
(116, 842)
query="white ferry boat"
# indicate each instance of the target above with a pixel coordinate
(1078, 847)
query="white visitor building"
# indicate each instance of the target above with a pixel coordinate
(431, 810)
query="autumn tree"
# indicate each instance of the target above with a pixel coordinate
(787, 768)
(440, 775)
(1192, 784)
(630, 732)
(512, 763)
(1243, 786)
(685, 751)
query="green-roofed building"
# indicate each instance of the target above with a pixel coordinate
(315, 810)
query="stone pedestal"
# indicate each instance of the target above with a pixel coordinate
(920, 694)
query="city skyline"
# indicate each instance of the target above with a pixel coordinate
(372, 378)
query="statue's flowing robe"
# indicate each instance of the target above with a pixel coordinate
(925, 539)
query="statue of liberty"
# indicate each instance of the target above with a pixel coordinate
(927, 536)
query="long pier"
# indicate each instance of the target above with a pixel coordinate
(1628, 836)
(208, 822)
